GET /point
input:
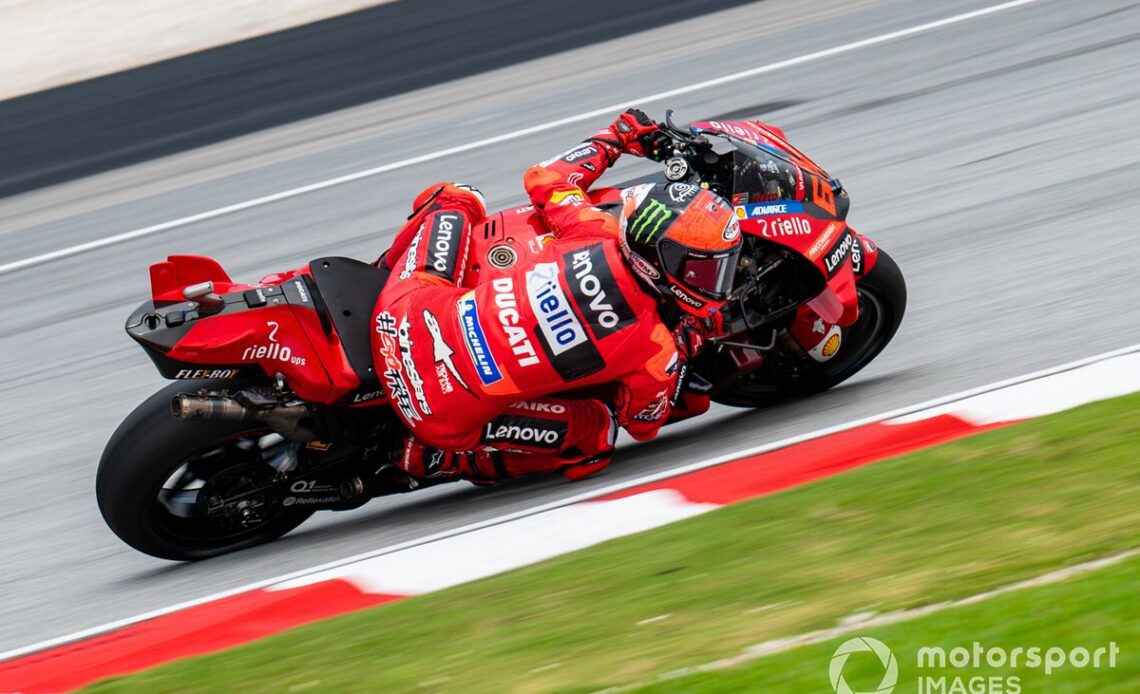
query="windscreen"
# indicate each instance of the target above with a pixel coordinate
(760, 176)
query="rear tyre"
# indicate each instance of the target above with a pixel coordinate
(192, 490)
(882, 303)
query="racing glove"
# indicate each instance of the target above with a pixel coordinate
(638, 133)
(689, 336)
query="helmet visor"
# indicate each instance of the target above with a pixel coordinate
(709, 275)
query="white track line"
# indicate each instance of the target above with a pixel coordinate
(542, 127)
(566, 501)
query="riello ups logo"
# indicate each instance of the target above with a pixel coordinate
(272, 350)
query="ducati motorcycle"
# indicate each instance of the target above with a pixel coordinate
(276, 410)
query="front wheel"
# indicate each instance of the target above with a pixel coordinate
(786, 374)
(192, 490)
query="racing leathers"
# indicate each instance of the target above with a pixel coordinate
(470, 370)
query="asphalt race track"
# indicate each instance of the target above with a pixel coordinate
(994, 158)
(189, 101)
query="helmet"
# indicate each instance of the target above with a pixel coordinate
(683, 241)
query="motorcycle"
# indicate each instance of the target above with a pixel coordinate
(276, 409)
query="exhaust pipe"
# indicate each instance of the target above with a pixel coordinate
(285, 419)
(185, 408)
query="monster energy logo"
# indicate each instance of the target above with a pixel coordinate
(649, 220)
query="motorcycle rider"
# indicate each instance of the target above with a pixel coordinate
(470, 370)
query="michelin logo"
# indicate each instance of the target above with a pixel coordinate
(476, 340)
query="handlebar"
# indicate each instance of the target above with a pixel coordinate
(694, 150)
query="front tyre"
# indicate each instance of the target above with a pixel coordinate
(192, 490)
(882, 303)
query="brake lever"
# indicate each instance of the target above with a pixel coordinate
(677, 133)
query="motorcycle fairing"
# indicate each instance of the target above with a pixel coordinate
(281, 325)
(807, 217)
(168, 278)
(765, 157)
(863, 255)
(827, 244)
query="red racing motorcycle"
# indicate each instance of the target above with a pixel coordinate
(276, 410)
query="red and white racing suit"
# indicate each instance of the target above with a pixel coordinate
(471, 370)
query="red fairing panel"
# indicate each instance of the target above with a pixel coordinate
(827, 244)
(272, 338)
(180, 271)
(285, 338)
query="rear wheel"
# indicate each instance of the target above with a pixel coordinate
(786, 373)
(192, 490)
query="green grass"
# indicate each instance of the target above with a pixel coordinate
(1091, 611)
(940, 524)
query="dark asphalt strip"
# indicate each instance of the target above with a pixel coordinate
(195, 100)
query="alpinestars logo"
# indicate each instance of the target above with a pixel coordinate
(655, 409)
(405, 343)
(410, 260)
(649, 221)
(442, 352)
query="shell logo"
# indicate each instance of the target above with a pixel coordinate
(831, 346)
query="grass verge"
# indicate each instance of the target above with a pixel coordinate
(1094, 611)
(944, 523)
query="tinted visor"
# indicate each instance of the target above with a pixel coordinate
(708, 275)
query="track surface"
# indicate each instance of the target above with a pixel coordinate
(243, 87)
(994, 159)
